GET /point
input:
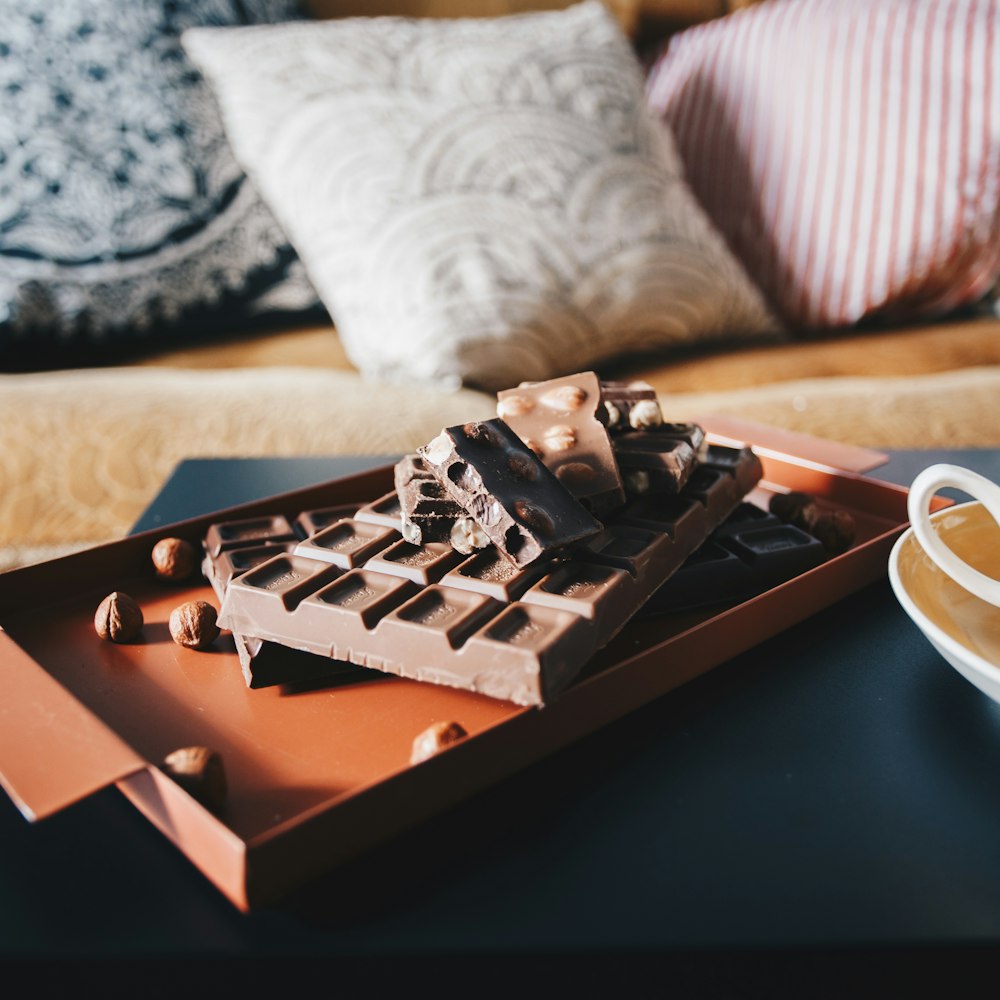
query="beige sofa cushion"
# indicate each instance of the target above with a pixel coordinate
(83, 452)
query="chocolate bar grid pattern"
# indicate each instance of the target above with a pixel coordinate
(356, 591)
(749, 553)
(234, 547)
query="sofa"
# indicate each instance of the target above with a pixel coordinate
(87, 438)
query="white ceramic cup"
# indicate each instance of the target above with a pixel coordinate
(926, 484)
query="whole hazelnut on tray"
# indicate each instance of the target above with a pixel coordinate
(200, 772)
(794, 508)
(118, 618)
(174, 559)
(435, 738)
(193, 624)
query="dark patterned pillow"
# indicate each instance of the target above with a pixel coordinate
(124, 217)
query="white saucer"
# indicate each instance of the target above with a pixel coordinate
(964, 629)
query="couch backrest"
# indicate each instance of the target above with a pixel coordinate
(632, 13)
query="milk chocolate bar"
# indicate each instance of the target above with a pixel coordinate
(749, 553)
(234, 547)
(630, 406)
(561, 421)
(525, 511)
(480, 622)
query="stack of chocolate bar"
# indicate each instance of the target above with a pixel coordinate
(509, 552)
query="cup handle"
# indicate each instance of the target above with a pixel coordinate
(924, 486)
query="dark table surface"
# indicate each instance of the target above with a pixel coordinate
(826, 805)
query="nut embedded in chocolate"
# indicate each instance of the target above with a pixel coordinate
(561, 437)
(514, 406)
(576, 474)
(174, 559)
(645, 414)
(200, 772)
(534, 517)
(466, 536)
(568, 424)
(193, 624)
(118, 618)
(566, 398)
(630, 405)
(434, 739)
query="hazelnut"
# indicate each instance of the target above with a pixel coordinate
(636, 482)
(794, 508)
(514, 406)
(566, 398)
(560, 437)
(467, 536)
(118, 618)
(477, 430)
(645, 414)
(200, 772)
(193, 624)
(174, 559)
(434, 739)
(612, 413)
(411, 532)
(438, 451)
(522, 467)
(534, 517)
(576, 473)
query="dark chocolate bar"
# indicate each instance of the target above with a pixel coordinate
(560, 421)
(630, 406)
(479, 622)
(749, 553)
(659, 459)
(525, 511)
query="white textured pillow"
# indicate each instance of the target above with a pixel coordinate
(477, 201)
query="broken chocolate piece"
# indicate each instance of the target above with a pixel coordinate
(630, 406)
(525, 511)
(561, 421)
(659, 459)
(427, 511)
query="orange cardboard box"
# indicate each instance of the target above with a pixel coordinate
(318, 773)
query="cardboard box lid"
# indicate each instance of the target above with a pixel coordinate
(53, 750)
(776, 441)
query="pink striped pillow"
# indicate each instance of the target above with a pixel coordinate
(848, 150)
